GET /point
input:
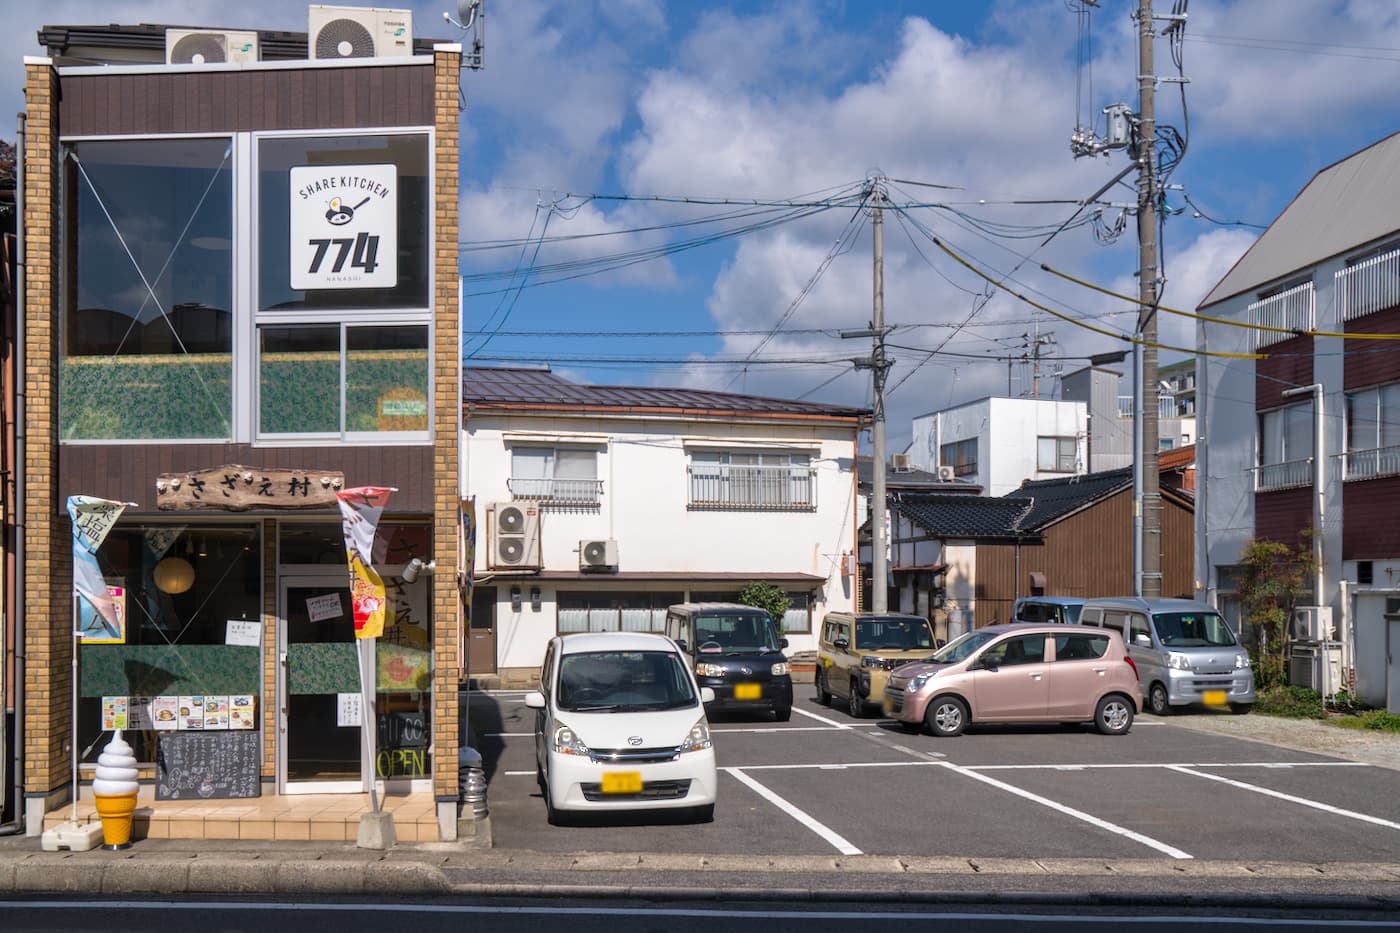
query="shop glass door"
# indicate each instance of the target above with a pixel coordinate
(322, 743)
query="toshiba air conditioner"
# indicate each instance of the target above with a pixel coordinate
(358, 32)
(209, 47)
(514, 536)
(597, 555)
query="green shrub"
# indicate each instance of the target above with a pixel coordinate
(1381, 720)
(769, 597)
(1293, 702)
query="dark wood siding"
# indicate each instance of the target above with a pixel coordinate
(1290, 363)
(1371, 362)
(129, 473)
(1087, 554)
(232, 101)
(1369, 528)
(1280, 515)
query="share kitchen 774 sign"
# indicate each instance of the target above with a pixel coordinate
(344, 226)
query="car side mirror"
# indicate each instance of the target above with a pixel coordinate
(989, 664)
(707, 694)
(1142, 640)
(782, 642)
(534, 699)
(841, 644)
(681, 644)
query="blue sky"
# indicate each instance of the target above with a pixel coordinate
(595, 127)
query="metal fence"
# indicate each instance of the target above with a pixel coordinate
(1292, 309)
(1370, 463)
(1369, 286)
(561, 492)
(752, 488)
(1288, 474)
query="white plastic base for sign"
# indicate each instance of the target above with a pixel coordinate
(72, 836)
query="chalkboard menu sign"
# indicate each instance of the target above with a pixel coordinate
(201, 765)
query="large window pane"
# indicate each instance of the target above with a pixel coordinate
(147, 345)
(299, 379)
(386, 378)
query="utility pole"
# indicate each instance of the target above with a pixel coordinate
(1150, 504)
(879, 366)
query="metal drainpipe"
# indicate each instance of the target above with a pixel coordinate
(16, 825)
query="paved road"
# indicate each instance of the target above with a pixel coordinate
(825, 784)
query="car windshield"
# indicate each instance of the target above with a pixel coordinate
(1192, 630)
(962, 647)
(623, 681)
(735, 634)
(1071, 612)
(893, 635)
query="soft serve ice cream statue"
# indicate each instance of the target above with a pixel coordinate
(114, 789)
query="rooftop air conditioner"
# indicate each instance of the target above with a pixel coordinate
(945, 473)
(597, 555)
(209, 47)
(514, 536)
(358, 32)
(901, 463)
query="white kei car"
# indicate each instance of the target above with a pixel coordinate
(620, 725)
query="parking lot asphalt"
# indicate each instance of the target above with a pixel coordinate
(826, 807)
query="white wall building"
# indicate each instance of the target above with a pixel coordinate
(635, 498)
(999, 443)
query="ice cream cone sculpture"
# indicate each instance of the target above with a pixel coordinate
(114, 789)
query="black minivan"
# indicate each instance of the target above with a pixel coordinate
(737, 652)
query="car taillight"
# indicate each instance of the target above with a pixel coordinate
(1131, 664)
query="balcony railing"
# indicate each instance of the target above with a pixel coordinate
(752, 488)
(1289, 474)
(1292, 309)
(1369, 286)
(576, 493)
(1166, 408)
(1371, 463)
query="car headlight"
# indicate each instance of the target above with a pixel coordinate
(871, 660)
(779, 669)
(917, 681)
(1178, 662)
(1241, 662)
(709, 670)
(565, 741)
(699, 737)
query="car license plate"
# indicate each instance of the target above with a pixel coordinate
(622, 782)
(747, 691)
(1213, 698)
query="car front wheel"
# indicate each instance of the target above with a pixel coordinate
(946, 717)
(855, 703)
(1157, 701)
(1114, 715)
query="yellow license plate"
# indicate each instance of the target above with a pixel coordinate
(622, 782)
(1213, 698)
(747, 691)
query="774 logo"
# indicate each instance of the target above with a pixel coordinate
(362, 251)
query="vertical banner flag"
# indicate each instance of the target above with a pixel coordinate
(360, 509)
(92, 519)
(466, 562)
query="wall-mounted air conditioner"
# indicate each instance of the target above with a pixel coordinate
(946, 474)
(1312, 623)
(209, 47)
(513, 536)
(358, 32)
(597, 555)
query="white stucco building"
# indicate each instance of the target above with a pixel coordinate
(999, 443)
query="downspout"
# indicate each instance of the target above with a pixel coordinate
(16, 825)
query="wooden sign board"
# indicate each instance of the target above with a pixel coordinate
(235, 488)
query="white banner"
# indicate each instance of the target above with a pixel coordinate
(344, 226)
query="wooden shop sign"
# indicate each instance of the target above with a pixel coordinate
(235, 488)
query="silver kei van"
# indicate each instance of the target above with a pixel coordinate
(1184, 651)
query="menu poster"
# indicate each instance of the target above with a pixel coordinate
(192, 713)
(215, 712)
(165, 713)
(138, 714)
(114, 713)
(240, 712)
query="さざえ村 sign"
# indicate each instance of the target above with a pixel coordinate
(344, 226)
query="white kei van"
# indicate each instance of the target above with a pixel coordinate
(1184, 651)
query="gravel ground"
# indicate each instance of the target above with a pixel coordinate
(1378, 748)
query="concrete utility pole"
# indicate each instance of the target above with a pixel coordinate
(1149, 544)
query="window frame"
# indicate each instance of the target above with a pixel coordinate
(590, 489)
(785, 481)
(1058, 456)
(953, 454)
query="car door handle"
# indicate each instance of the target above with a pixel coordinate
(1100, 670)
(1036, 675)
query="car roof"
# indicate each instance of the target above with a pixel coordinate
(1057, 600)
(1155, 604)
(1049, 628)
(866, 616)
(585, 642)
(717, 607)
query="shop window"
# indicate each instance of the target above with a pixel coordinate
(148, 290)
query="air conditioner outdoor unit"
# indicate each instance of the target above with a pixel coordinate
(1305, 668)
(514, 537)
(1312, 623)
(901, 463)
(358, 32)
(209, 47)
(945, 473)
(597, 555)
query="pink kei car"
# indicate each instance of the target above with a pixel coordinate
(1019, 673)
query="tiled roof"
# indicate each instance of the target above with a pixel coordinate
(517, 388)
(911, 479)
(950, 515)
(1055, 498)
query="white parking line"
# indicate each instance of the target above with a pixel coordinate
(1301, 801)
(830, 722)
(802, 816)
(1070, 811)
(1175, 764)
(769, 729)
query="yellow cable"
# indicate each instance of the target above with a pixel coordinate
(1220, 320)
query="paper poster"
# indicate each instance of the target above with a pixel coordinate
(347, 709)
(240, 712)
(321, 608)
(138, 714)
(243, 632)
(165, 713)
(192, 713)
(93, 629)
(114, 713)
(215, 712)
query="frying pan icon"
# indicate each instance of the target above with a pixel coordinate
(340, 213)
